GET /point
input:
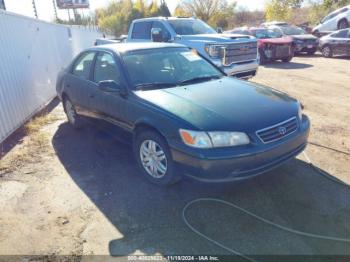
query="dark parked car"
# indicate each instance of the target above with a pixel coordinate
(337, 43)
(272, 45)
(302, 41)
(184, 114)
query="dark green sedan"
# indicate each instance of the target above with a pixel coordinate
(186, 117)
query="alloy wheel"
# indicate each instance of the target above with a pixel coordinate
(326, 51)
(153, 159)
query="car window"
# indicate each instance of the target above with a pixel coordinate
(172, 65)
(83, 65)
(341, 34)
(165, 32)
(292, 30)
(142, 30)
(330, 17)
(191, 27)
(106, 68)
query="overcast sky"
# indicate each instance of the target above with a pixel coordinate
(45, 7)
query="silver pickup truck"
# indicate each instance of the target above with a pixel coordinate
(236, 55)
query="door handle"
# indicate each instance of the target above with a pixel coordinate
(67, 85)
(91, 96)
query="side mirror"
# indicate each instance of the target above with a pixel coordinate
(157, 35)
(219, 30)
(110, 86)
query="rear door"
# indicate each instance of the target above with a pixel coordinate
(141, 31)
(348, 43)
(340, 42)
(78, 85)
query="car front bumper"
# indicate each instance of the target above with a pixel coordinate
(229, 165)
(240, 70)
(305, 47)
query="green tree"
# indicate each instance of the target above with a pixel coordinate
(214, 12)
(281, 9)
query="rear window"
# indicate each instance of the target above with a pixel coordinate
(142, 30)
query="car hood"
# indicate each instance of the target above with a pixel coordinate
(218, 38)
(281, 40)
(226, 104)
(304, 37)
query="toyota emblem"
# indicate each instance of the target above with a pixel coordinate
(282, 130)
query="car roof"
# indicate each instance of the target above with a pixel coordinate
(164, 18)
(127, 47)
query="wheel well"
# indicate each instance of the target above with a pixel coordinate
(143, 127)
(343, 19)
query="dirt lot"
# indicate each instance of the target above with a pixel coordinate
(68, 192)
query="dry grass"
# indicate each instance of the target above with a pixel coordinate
(38, 122)
(37, 140)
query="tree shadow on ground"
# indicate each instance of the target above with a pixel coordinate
(150, 217)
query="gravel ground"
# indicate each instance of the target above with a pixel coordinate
(68, 192)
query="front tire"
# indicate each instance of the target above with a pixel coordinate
(327, 51)
(73, 118)
(151, 151)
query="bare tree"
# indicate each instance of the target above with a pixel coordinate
(203, 9)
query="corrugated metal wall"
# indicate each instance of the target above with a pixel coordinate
(32, 52)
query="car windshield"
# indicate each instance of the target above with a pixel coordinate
(292, 30)
(191, 27)
(265, 33)
(166, 67)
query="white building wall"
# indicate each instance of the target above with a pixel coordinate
(32, 52)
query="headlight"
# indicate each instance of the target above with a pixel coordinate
(213, 139)
(215, 51)
(195, 139)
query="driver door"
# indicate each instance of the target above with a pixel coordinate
(109, 106)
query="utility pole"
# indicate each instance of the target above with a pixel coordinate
(34, 7)
(55, 9)
(2, 4)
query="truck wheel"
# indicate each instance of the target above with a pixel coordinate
(154, 159)
(327, 51)
(73, 118)
(343, 24)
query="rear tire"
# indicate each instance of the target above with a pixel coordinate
(327, 51)
(343, 24)
(154, 160)
(73, 118)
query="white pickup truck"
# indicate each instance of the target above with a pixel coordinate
(236, 55)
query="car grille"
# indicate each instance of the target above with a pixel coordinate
(282, 51)
(279, 131)
(239, 53)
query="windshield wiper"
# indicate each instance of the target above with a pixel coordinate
(155, 85)
(199, 79)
